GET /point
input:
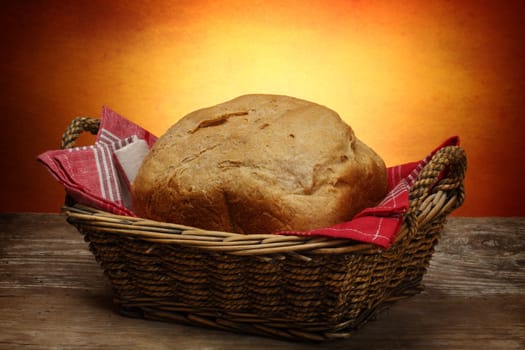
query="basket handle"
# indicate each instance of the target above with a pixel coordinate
(77, 127)
(73, 131)
(444, 173)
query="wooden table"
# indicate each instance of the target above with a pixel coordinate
(53, 295)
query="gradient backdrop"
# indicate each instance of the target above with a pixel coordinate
(404, 74)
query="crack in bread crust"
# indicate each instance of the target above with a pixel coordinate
(216, 121)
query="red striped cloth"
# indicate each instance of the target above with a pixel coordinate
(92, 175)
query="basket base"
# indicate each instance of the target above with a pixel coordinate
(248, 323)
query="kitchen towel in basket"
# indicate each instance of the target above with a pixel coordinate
(99, 176)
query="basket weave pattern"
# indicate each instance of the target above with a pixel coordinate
(314, 288)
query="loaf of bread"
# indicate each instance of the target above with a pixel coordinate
(259, 164)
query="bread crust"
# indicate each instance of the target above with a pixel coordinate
(259, 164)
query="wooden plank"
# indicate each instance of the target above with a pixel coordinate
(42, 250)
(479, 256)
(54, 295)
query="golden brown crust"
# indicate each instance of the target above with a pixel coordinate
(259, 164)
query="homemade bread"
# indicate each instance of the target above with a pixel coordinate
(259, 164)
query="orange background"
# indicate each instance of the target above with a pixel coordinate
(405, 75)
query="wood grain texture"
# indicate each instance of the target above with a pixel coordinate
(54, 296)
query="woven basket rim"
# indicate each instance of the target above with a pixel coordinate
(244, 244)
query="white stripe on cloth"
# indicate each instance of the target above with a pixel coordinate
(377, 234)
(379, 225)
(112, 178)
(108, 136)
(401, 187)
(105, 167)
(98, 161)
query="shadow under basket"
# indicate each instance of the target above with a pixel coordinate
(292, 287)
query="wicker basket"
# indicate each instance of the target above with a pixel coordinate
(281, 286)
